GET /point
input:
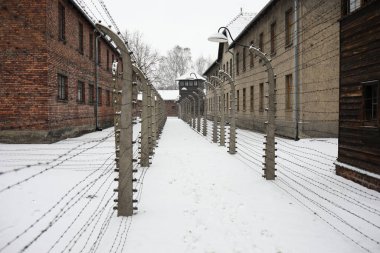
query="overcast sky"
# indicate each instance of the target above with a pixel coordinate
(166, 23)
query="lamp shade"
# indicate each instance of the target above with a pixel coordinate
(218, 37)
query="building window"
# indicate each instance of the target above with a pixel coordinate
(231, 67)
(288, 27)
(91, 95)
(273, 38)
(108, 98)
(227, 102)
(251, 58)
(108, 60)
(224, 103)
(61, 22)
(237, 63)
(80, 92)
(62, 87)
(99, 96)
(261, 42)
(350, 6)
(80, 37)
(244, 56)
(288, 92)
(91, 46)
(227, 67)
(251, 99)
(237, 100)
(353, 5)
(219, 104)
(99, 53)
(371, 95)
(244, 99)
(261, 98)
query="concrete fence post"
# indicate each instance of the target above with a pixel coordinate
(222, 114)
(125, 132)
(232, 141)
(198, 111)
(204, 125)
(269, 170)
(215, 113)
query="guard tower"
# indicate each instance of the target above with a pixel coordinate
(188, 83)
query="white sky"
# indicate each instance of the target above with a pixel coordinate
(166, 23)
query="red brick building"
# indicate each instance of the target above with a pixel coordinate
(47, 73)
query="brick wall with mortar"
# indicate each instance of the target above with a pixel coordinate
(38, 115)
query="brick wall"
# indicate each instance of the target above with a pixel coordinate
(33, 56)
(23, 65)
(171, 108)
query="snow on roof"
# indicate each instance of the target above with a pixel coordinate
(237, 25)
(169, 94)
(190, 76)
(165, 94)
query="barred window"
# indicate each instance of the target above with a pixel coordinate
(371, 95)
(62, 87)
(288, 27)
(80, 37)
(91, 95)
(80, 92)
(61, 22)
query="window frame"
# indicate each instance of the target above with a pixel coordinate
(91, 46)
(244, 60)
(80, 38)
(81, 96)
(244, 99)
(261, 97)
(273, 27)
(251, 57)
(61, 22)
(251, 98)
(375, 122)
(237, 56)
(289, 27)
(91, 93)
(288, 92)
(63, 90)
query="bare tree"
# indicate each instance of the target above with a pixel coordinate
(176, 63)
(201, 64)
(147, 59)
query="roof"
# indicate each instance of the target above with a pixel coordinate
(254, 20)
(190, 76)
(237, 25)
(165, 95)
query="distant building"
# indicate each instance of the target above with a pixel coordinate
(47, 74)
(359, 117)
(188, 84)
(170, 98)
(306, 67)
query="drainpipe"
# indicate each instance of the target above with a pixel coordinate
(296, 115)
(97, 128)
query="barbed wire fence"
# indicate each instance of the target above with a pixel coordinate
(305, 169)
(72, 180)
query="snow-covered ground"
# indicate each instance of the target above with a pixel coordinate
(195, 197)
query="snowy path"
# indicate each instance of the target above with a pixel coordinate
(197, 198)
